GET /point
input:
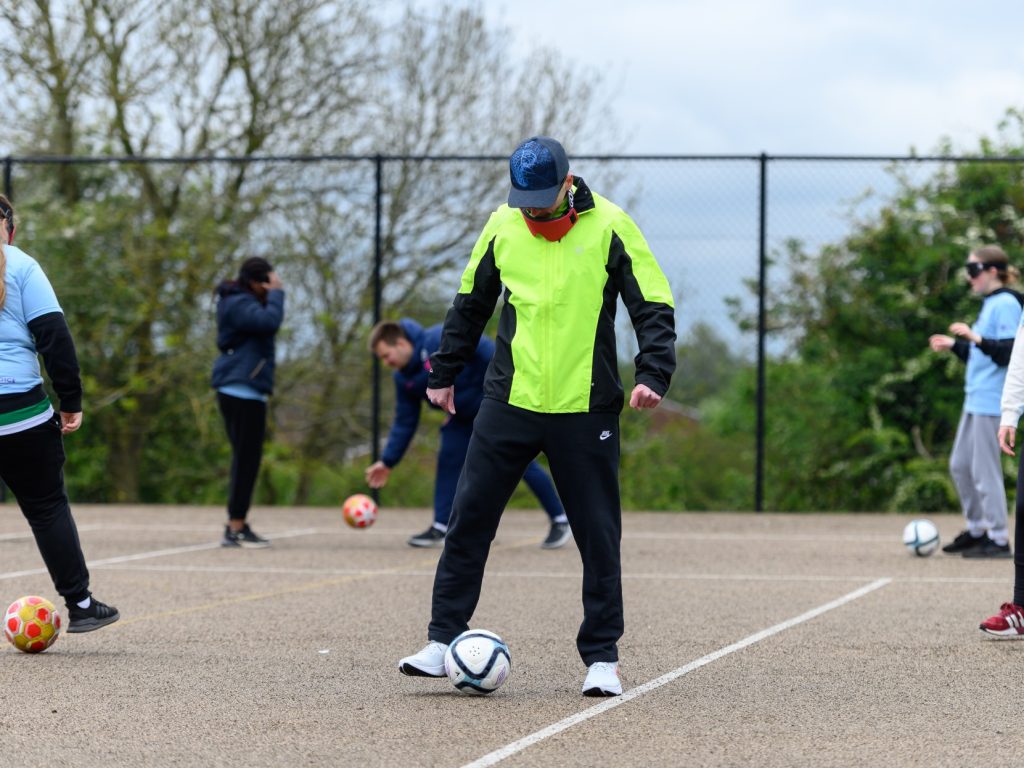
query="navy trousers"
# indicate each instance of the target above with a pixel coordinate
(455, 435)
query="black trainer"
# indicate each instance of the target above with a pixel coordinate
(557, 536)
(432, 537)
(95, 616)
(246, 537)
(963, 542)
(988, 549)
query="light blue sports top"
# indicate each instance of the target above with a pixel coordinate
(983, 386)
(29, 295)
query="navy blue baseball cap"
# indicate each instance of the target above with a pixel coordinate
(537, 167)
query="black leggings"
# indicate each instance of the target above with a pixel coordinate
(32, 466)
(246, 425)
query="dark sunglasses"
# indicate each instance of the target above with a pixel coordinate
(975, 268)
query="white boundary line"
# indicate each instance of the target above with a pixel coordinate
(152, 553)
(429, 572)
(511, 533)
(517, 746)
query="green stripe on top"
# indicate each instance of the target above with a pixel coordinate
(13, 417)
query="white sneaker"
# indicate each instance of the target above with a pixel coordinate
(427, 663)
(602, 679)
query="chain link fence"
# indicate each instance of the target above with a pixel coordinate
(363, 237)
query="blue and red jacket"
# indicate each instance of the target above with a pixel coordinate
(411, 386)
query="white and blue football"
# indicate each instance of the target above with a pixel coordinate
(477, 662)
(921, 537)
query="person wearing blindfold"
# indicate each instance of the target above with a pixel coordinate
(560, 256)
(985, 346)
(250, 310)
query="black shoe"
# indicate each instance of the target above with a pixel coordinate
(557, 536)
(243, 538)
(988, 549)
(963, 542)
(95, 616)
(432, 537)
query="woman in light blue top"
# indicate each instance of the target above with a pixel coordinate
(974, 461)
(32, 325)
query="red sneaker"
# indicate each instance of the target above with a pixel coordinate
(1007, 624)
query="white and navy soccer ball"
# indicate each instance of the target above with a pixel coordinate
(921, 537)
(477, 662)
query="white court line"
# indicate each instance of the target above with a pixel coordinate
(502, 574)
(626, 536)
(429, 572)
(758, 536)
(152, 553)
(518, 746)
(28, 534)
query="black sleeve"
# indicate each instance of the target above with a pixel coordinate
(653, 321)
(962, 348)
(465, 322)
(54, 343)
(998, 349)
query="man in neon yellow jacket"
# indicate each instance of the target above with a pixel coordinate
(560, 256)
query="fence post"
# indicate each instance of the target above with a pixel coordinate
(762, 277)
(378, 258)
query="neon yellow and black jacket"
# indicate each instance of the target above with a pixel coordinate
(555, 347)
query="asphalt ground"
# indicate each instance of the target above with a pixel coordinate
(768, 640)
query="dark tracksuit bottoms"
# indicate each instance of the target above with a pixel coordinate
(32, 466)
(455, 435)
(1018, 534)
(246, 425)
(583, 453)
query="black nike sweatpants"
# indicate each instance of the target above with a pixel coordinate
(583, 453)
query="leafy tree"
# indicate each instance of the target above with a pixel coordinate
(861, 414)
(135, 249)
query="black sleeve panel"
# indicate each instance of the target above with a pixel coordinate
(998, 349)
(53, 341)
(465, 322)
(653, 321)
(962, 348)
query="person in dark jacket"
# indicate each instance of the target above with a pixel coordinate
(249, 313)
(32, 324)
(406, 347)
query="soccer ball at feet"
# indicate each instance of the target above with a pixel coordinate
(477, 662)
(32, 624)
(921, 537)
(359, 511)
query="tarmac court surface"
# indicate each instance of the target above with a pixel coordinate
(751, 639)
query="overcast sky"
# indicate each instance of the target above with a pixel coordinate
(790, 76)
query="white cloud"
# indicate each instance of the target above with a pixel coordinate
(790, 76)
